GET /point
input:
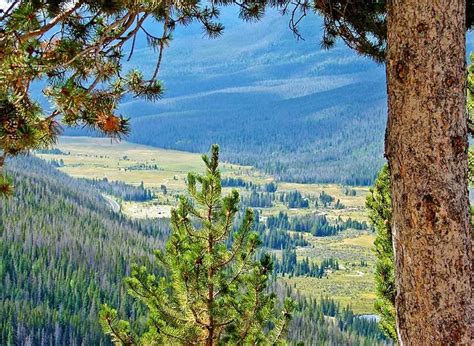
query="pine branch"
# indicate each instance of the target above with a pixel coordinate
(52, 22)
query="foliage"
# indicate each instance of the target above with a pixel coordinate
(349, 192)
(259, 200)
(62, 254)
(77, 50)
(122, 190)
(317, 225)
(362, 25)
(289, 265)
(294, 199)
(280, 239)
(380, 213)
(213, 292)
(308, 326)
(325, 198)
(6, 185)
(235, 182)
(315, 144)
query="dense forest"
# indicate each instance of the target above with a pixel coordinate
(316, 224)
(64, 253)
(122, 190)
(289, 265)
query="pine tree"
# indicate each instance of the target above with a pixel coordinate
(380, 212)
(379, 205)
(215, 290)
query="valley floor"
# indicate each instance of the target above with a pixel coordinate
(163, 172)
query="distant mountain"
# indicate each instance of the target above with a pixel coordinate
(285, 106)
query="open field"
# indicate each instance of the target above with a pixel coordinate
(357, 201)
(100, 158)
(348, 247)
(353, 290)
(131, 163)
(353, 283)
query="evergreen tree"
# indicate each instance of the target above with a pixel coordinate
(380, 212)
(214, 292)
(51, 288)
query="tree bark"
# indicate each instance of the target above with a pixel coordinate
(426, 146)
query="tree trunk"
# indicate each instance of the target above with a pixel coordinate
(426, 146)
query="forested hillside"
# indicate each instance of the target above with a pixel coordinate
(64, 253)
(285, 106)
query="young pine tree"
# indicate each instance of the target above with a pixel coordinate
(380, 213)
(215, 291)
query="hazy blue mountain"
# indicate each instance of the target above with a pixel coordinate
(285, 106)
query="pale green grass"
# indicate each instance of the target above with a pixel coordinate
(100, 157)
(353, 284)
(347, 289)
(348, 247)
(363, 240)
(334, 190)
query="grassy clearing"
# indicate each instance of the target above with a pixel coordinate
(357, 201)
(350, 247)
(99, 158)
(353, 290)
(133, 163)
(353, 284)
(363, 241)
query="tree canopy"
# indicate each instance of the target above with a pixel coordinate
(379, 206)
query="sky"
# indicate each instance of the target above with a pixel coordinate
(4, 4)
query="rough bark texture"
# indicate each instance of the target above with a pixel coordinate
(426, 146)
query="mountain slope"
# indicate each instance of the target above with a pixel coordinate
(285, 106)
(63, 254)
